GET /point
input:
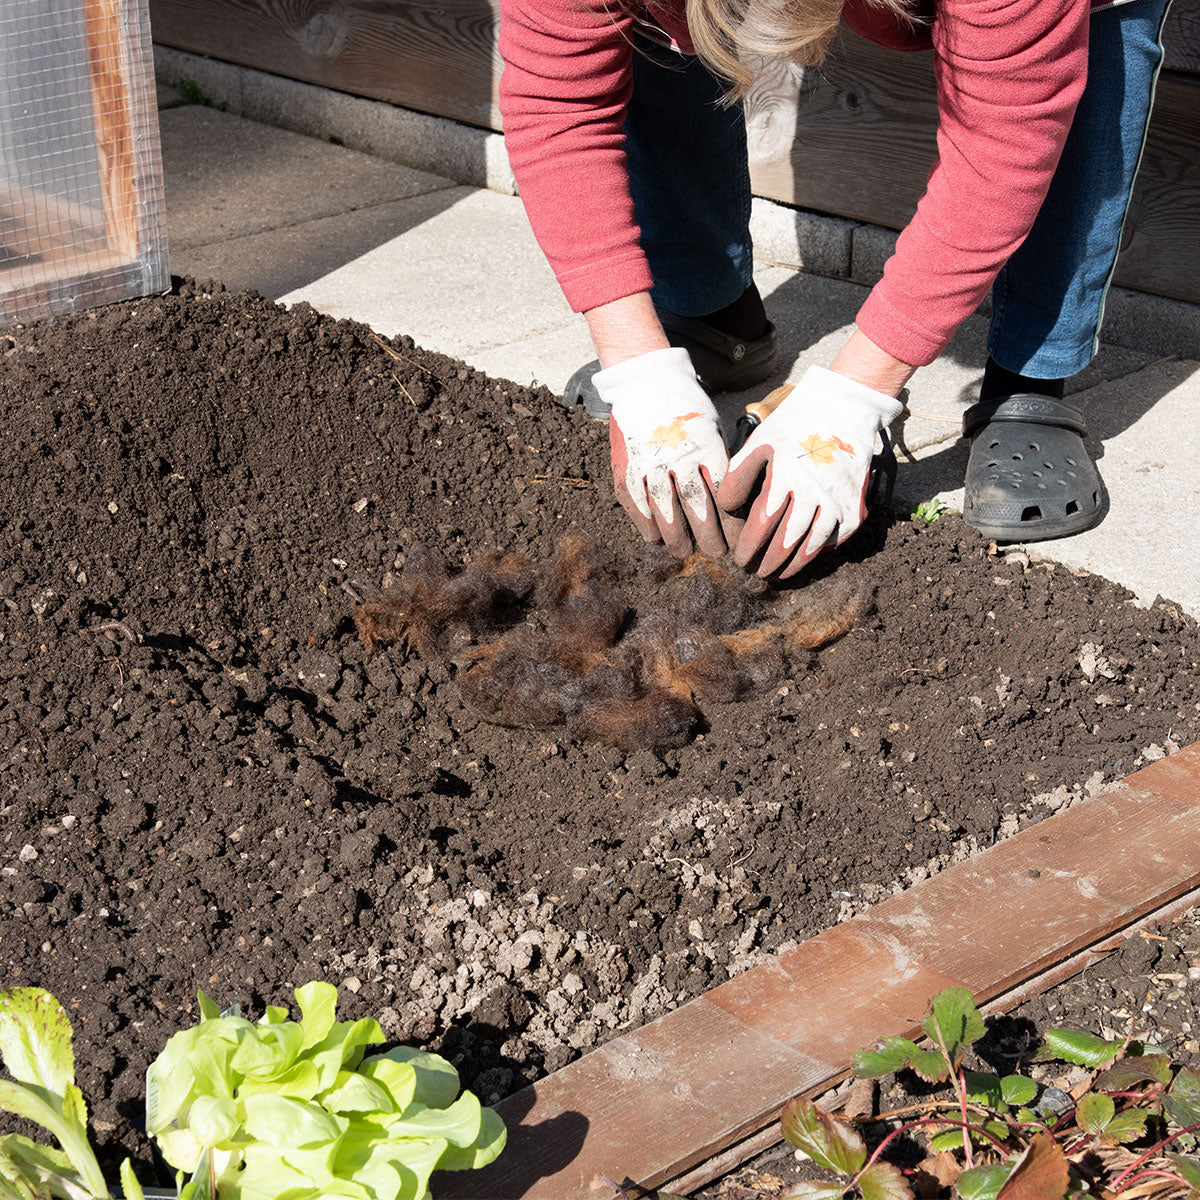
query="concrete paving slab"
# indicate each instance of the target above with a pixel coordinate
(167, 96)
(277, 262)
(1145, 439)
(227, 177)
(548, 358)
(459, 277)
(463, 153)
(814, 315)
(452, 268)
(1151, 442)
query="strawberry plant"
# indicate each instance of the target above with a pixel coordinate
(1128, 1131)
(293, 1108)
(35, 1044)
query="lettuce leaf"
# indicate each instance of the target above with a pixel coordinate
(294, 1110)
(35, 1044)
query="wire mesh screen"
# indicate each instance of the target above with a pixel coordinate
(80, 171)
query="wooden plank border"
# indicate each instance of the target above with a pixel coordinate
(653, 1104)
(438, 59)
(769, 1136)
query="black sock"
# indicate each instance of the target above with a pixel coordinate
(998, 381)
(745, 318)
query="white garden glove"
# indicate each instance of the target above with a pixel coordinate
(815, 450)
(668, 455)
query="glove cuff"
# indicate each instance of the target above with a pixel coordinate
(839, 388)
(630, 380)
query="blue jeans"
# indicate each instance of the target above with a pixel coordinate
(691, 191)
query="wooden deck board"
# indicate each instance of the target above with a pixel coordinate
(652, 1103)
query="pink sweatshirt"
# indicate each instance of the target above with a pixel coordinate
(1009, 76)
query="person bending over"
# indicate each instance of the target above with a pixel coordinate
(626, 133)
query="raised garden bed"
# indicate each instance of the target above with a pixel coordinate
(208, 782)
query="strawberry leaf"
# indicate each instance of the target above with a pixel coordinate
(882, 1181)
(983, 1088)
(814, 1191)
(998, 1129)
(830, 1143)
(930, 1066)
(1183, 1097)
(1189, 1168)
(896, 1053)
(1126, 1127)
(1017, 1090)
(1094, 1113)
(983, 1183)
(1077, 1046)
(1126, 1073)
(953, 1020)
(892, 1054)
(1041, 1172)
(948, 1139)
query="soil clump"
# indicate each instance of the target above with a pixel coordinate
(208, 781)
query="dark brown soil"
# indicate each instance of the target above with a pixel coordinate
(226, 791)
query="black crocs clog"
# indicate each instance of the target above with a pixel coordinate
(1029, 476)
(723, 363)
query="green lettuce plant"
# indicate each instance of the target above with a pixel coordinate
(35, 1043)
(293, 1109)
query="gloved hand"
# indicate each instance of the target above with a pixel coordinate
(815, 450)
(668, 455)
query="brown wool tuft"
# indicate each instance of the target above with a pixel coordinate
(828, 614)
(655, 721)
(511, 688)
(575, 563)
(559, 644)
(380, 623)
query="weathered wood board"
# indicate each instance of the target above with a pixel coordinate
(716, 1070)
(855, 139)
(1181, 36)
(860, 142)
(437, 58)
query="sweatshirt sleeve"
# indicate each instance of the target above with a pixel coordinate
(1009, 76)
(563, 94)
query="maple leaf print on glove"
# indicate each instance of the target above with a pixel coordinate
(805, 469)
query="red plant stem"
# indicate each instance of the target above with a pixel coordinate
(962, 1101)
(1133, 1166)
(917, 1125)
(1040, 1125)
(1078, 1145)
(1153, 1171)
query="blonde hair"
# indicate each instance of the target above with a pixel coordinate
(726, 33)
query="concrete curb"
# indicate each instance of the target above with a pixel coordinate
(1136, 320)
(790, 237)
